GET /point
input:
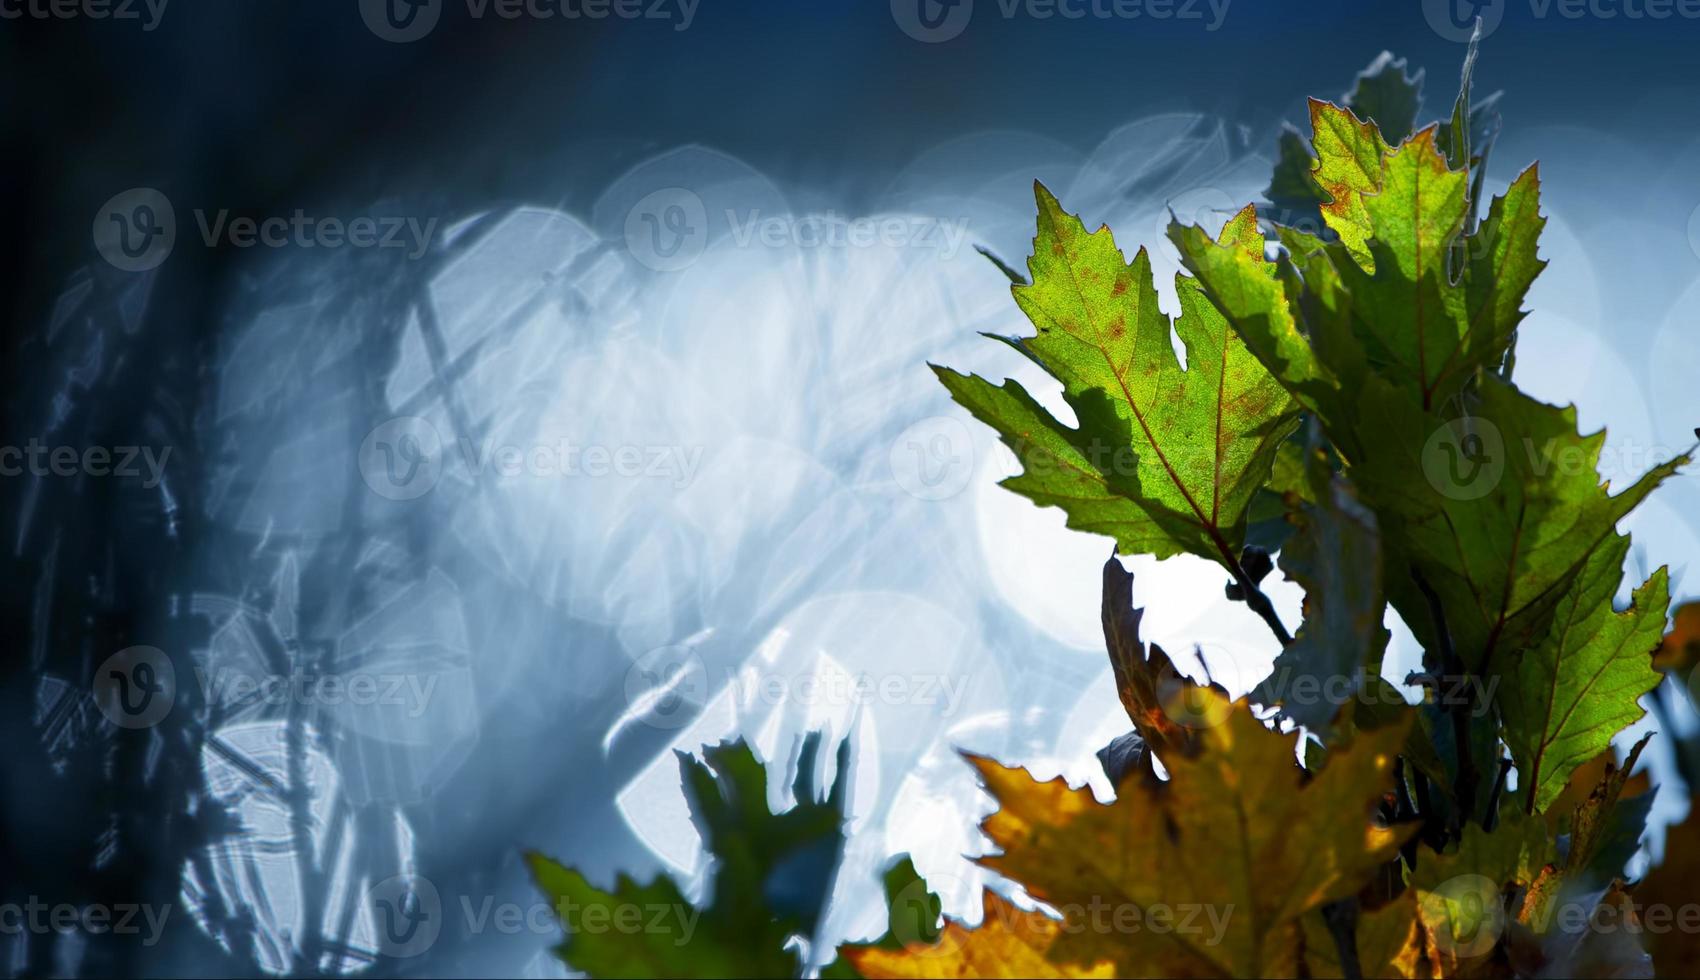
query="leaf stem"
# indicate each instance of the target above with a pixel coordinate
(1252, 595)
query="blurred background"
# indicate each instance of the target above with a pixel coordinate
(428, 416)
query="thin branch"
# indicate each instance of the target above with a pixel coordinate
(1492, 818)
(1468, 775)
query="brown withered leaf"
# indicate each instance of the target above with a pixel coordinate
(1167, 707)
(1670, 900)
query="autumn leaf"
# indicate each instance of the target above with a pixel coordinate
(1565, 698)
(1386, 296)
(1389, 943)
(1601, 833)
(1679, 651)
(1588, 777)
(1009, 942)
(1168, 710)
(1239, 844)
(1668, 893)
(1605, 829)
(1164, 459)
(1350, 156)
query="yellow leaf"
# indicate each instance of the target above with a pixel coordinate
(1390, 943)
(1009, 942)
(1209, 873)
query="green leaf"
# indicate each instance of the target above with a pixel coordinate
(1408, 314)
(1502, 264)
(1291, 187)
(598, 947)
(1565, 698)
(1336, 556)
(772, 877)
(1422, 329)
(1455, 134)
(1165, 459)
(912, 917)
(1349, 163)
(1498, 512)
(1387, 96)
(1244, 286)
(1387, 296)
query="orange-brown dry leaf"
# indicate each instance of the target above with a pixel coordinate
(1668, 897)
(1160, 700)
(1009, 942)
(1681, 647)
(1583, 782)
(1210, 873)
